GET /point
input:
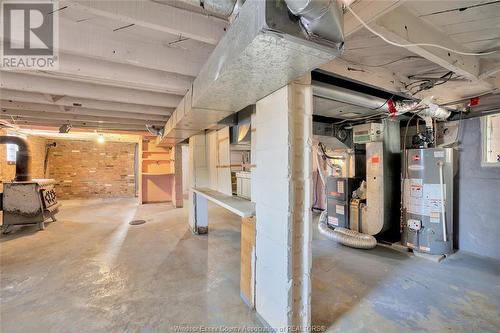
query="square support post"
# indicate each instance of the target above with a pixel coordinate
(282, 184)
(198, 177)
(177, 197)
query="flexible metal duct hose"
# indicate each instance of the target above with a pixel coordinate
(348, 237)
(23, 156)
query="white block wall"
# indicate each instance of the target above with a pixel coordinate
(281, 191)
(198, 170)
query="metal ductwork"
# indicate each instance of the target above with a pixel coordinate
(348, 96)
(263, 50)
(222, 8)
(320, 17)
(240, 133)
(23, 156)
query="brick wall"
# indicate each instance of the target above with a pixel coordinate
(87, 169)
(37, 149)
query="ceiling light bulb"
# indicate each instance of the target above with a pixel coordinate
(100, 138)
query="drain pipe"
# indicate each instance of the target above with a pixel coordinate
(23, 156)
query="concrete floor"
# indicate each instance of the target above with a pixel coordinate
(383, 290)
(93, 272)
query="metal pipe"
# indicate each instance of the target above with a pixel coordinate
(322, 18)
(348, 96)
(23, 156)
(441, 185)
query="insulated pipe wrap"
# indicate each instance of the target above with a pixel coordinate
(348, 237)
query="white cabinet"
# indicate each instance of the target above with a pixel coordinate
(243, 184)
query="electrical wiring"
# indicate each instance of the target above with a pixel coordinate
(404, 144)
(361, 118)
(445, 78)
(387, 63)
(415, 44)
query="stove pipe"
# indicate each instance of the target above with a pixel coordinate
(22, 157)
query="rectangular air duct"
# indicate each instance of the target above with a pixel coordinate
(263, 50)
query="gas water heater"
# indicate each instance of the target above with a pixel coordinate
(428, 200)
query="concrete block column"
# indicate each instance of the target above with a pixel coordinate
(177, 197)
(282, 193)
(198, 177)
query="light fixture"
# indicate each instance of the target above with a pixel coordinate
(100, 139)
(65, 128)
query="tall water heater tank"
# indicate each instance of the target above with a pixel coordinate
(428, 200)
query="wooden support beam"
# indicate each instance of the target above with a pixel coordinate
(69, 117)
(82, 111)
(31, 83)
(84, 69)
(368, 10)
(159, 17)
(404, 27)
(85, 103)
(247, 271)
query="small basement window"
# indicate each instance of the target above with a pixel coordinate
(491, 140)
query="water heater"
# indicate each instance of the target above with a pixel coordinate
(428, 200)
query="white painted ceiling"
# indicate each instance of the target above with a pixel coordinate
(117, 71)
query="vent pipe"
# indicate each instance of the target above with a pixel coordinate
(348, 96)
(322, 18)
(23, 156)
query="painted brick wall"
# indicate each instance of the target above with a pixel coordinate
(478, 196)
(87, 169)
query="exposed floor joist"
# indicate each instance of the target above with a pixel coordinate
(71, 101)
(95, 42)
(82, 111)
(35, 123)
(154, 16)
(31, 83)
(404, 27)
(70, 117)
(368, 11)
(77, 68)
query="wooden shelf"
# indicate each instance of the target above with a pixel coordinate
(156, 174)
